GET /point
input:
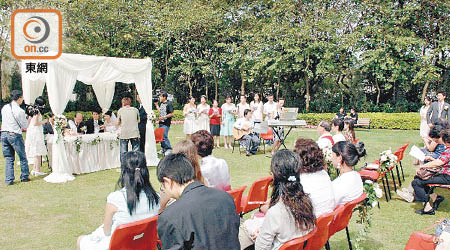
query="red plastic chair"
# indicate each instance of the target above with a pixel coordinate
(266, 137)
(320, 238)
(400, 153)
(136, 235)
(257, 195)
(237, 197)
(342, 218)
(159, 135)
(355, 141)
(298, 243)
(420, 241)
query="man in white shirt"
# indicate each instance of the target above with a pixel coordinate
(251, 140)
(325, 139)
(242, 106)
(77, 125)
(270, 108)
(14, 121)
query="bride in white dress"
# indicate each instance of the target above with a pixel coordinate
(35, 142)
(424, 128)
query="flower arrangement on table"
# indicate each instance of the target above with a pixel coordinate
(60, 125)
(327, 154)
(387, 160)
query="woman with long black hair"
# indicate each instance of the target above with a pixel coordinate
(291, 212)
(135, 200)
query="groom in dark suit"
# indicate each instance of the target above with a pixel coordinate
(438, 110)
(142, 124)
(95, 125)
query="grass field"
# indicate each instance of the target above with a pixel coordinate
(40, 215)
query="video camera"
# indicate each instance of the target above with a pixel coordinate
(155, 98)
(32, 110)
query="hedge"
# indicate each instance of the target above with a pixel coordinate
(405, 121)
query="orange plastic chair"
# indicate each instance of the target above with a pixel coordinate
(320, 238)
(159, 135)
(400, 153)
(237, 197)
(342, 218)
(138, 235)
(355, 141)
(257, 195)
(420, 241)
(266, 137)
(298, 243)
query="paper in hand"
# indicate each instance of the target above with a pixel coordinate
(417, 153)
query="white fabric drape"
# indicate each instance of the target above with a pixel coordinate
(101, 73)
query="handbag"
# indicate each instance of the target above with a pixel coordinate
(427, 173)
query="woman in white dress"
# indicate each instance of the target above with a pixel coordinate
(203, 117)
(189, 112)
(256, 106)
(35, 141)
(136, 200)
(109, 125)
(424, 128)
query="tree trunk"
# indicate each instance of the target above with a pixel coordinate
(190, 85)
(308, 96)
(242, 85)
(167, 62)
(278, 88)
(378, 91)
(425, 89)
(215, 82)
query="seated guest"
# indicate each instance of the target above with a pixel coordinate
(348, 186)
(47, 127)
(291, 213)
(189, 150)
(77, 125)
(325, 138)
(421, 190)
(341, 114)
(136, 200)
(349, 130)
(353, 115)
(109, 125)
(215, 171)
(202, 217)
(249, 140)
(313, 177)
(94, 125)
(338, 127)
(434, 146)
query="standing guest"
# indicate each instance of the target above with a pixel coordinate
(341, 114)
(109, 125)
(291, 213)
(353, 115)
(215, 114)
(249, 140)
(242, 106)
(313, 176)
(165, 118)
(94, 125)
(349, 130)
(77, 125)
(278, 134)
(424, 128)
(128, 121)
(338, 127)
(135, 200)
(189, 111)
(142, 124)
(438, 110)
(215, 171)
(226, 130)
(13, 122)
(348, 186)
(325, 138)
(203, 118)
(202, 217)
(270, 108)
(35, 141)
(256, 106)
(421, 189)
(188, 148)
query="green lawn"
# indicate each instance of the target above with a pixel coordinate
(40, 215)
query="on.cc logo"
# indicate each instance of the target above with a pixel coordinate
(36, 29)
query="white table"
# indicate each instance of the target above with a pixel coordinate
(96, 152)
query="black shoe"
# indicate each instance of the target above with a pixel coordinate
(25, 180)
(422, 212)
(248, 154)
(437, 202)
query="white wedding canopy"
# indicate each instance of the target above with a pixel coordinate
(100, 72)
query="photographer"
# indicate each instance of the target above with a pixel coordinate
(13, 122)
(35, 142)
(165, 118)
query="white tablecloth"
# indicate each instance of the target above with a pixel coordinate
(105, 154)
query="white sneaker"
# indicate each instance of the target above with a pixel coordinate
(168, 152)
(407, 196)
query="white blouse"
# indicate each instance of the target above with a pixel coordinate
(318, 186)
(347, 187)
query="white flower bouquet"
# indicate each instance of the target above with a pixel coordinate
(60, 125)
(387, 159)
